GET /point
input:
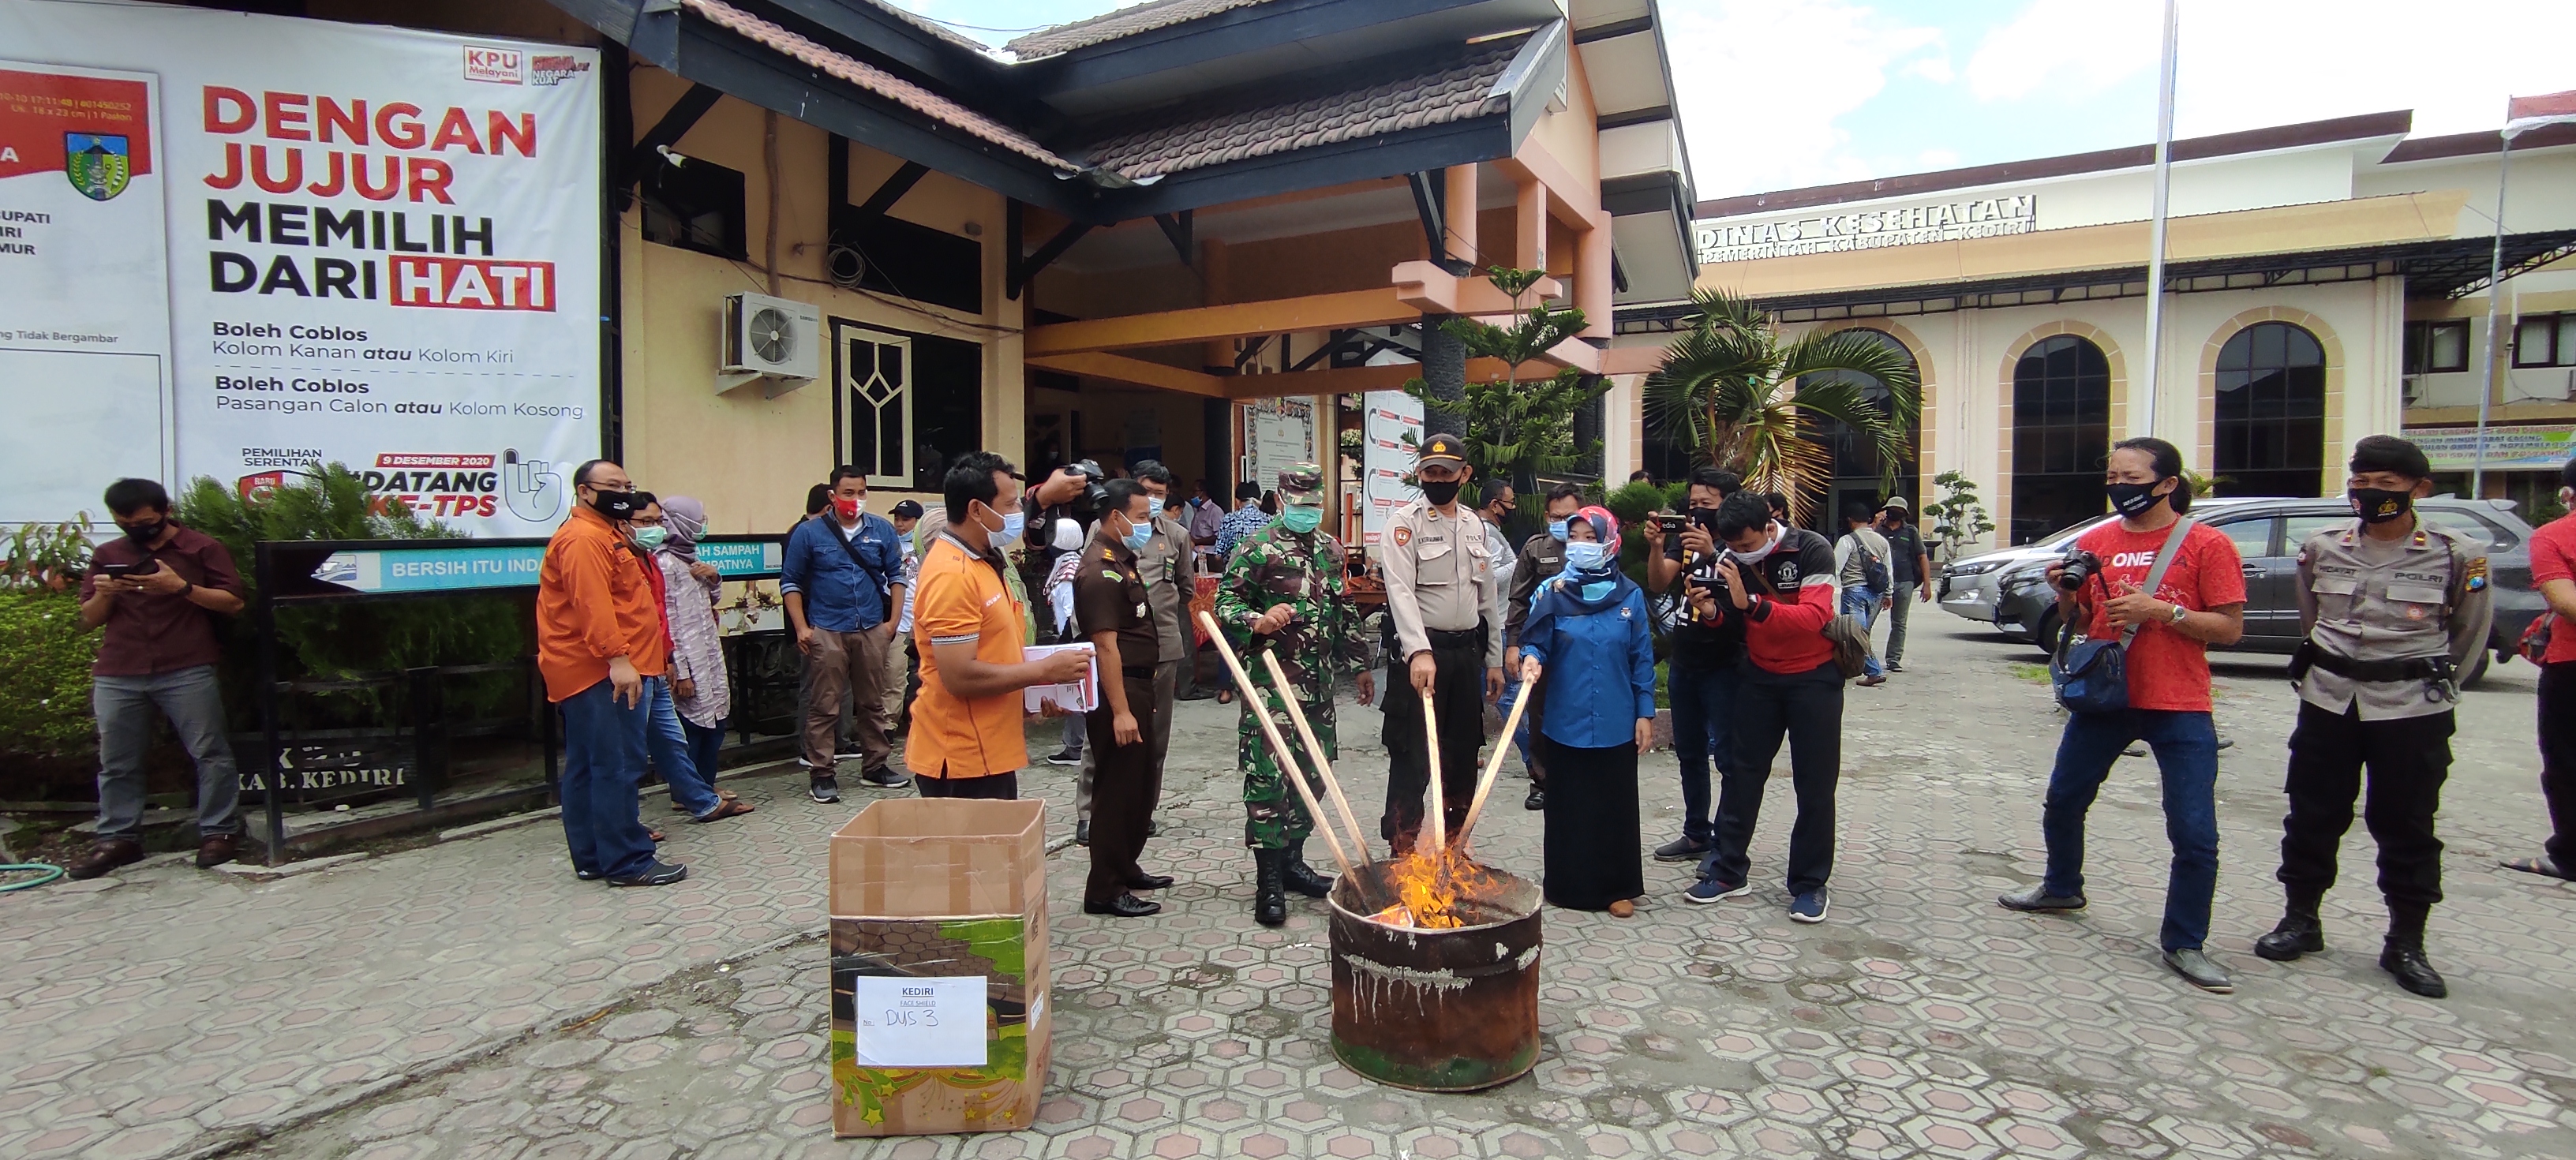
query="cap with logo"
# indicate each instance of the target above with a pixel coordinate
(1896, 503)
(1443, 448)
(1302, 484)
(907, 510)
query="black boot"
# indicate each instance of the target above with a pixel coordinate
(2403, 956)
(2299, 932)
(1299, 876)
(1269, 900)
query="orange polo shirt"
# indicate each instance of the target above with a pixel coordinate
(593, 603)
(962, 599)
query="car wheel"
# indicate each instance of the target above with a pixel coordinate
(2046, 641)
(2477, 670)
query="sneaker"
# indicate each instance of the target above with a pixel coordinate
(1808, 907)
(884, 777)
(1064, 757)
(653, 874)
(1714, 889)
(825, 789)
(1681, 849)
(1894, 667)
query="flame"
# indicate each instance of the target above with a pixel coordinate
(1436, 889)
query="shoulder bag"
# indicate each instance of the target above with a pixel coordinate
(2092, 676)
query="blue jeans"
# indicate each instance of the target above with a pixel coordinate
(1861, 604)
(674, 755)
(1703, 725)
(705, 743)
(2186, 748)
(1511, 696)
(603, 762)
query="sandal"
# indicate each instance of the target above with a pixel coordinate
(725, 809)
(652, 833)
(2541, 866)
(1225, 696)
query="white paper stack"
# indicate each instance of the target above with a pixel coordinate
(1079, 697)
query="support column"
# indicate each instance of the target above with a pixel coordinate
(1218, 357)
(1444, 358)
(1529, 226)
(1592, 279)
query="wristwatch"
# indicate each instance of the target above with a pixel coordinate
(2178, 613)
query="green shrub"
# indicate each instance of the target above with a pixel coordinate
(44, 675)
(1632, 501)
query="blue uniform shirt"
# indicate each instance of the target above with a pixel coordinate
(842, 594)
(1600, 674)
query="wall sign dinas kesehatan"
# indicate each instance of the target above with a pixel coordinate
(1828, 232)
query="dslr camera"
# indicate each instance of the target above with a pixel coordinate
(2078, 567)
(1095, 485)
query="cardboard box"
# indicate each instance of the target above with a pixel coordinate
(939, 924)
(1081, 697)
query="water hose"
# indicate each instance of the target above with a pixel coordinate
(43, 874)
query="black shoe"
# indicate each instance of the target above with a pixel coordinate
(2298, 934)
(1681, 849)
(1537, 799)
(884, 777)
(1894, 667)
(653, 874)
(825, 789)
(2413, 971)
(2037, 898)
(586, 875)
(1150, 882)
(1152, 829)
(2197, 969)
(1269, 896)
(1123, 906)
(1300, 877)
(1064, 757)
(1082, 832)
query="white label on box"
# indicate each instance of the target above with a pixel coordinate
(919, 1022)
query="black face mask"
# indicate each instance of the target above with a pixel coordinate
(2379, 505)
(1441, 494)
(2132, 499)
(616, 505)
(144, 534)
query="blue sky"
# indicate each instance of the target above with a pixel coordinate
(1777, 94)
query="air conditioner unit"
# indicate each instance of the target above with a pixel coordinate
(2410, 390)
(775, 337)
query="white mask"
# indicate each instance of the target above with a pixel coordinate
(1757, 555)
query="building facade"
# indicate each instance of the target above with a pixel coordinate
(2324, 281)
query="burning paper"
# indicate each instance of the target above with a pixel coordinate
(1439, 890)
(1396, 915)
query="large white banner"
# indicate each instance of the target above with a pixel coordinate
(239, 246)
(1386, 457)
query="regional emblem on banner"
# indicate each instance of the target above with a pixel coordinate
(98, 164)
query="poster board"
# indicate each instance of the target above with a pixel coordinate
(1277, 434)
(1391, 427)
(239, 246)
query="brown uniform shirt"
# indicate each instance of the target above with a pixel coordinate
(1109, 596)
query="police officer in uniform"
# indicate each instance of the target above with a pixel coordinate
(1442, 600)
(2394, 610)
(1282, 594)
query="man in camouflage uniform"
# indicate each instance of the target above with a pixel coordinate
(1282, 593)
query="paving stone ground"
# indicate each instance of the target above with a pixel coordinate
(472, 999)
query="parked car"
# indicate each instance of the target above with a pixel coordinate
(2268, 533)
(1973, 587)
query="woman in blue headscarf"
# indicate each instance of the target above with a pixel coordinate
(1588, 653)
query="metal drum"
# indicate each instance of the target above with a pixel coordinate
(1438, 1010)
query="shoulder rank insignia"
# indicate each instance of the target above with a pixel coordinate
(2476, 580)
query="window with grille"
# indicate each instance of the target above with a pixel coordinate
(877, 405)
(2061, 433)
(2270, 412)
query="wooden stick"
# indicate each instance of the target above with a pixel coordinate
(1269, 731)
(1315, 757)
(1439, 820)
(1493, 766)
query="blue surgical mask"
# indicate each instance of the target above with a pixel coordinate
(1138, 535)
(650, 538)
(1012, 525)
(1558, 528)
(1586, 556)
(1300, 519)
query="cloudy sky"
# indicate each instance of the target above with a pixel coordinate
(1778, 94)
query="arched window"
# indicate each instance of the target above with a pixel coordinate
(2061, 431)
(1859, 474)
(2271, 412)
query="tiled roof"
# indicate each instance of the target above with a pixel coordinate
(1191, 137)
(876, 80)
(1110, 26)
(934, 27)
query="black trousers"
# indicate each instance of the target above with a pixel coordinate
(1122, 788)
(1458, 697)
(999, 787)
(1593, 853)
(2558, 758)
(1807, 709)
(2408, 759)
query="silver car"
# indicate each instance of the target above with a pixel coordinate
(1970, 587)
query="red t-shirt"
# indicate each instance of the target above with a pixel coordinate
(2553, 557)
(2166, 669)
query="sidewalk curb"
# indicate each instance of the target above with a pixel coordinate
(496, 825)
(259, 873)
(242, 1139)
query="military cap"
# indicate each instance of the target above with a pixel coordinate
(1443, 448)
(1301, 483)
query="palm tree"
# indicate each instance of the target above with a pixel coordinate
(1729, 393)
